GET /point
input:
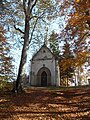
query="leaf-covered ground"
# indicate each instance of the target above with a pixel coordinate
(45, 104)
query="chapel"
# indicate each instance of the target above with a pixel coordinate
(44, 68)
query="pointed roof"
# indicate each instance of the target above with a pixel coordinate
(44, 46)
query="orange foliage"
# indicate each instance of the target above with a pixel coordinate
(66, 63)
(2, 38)
(77, 1)
(80, 14)
(81, 58)
(80, 17)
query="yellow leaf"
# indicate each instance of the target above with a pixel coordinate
(77, 1)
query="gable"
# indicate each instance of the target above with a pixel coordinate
(43, 53)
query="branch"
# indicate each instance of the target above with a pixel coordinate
(18, 29)
(33, 5)
(24, 6)
(35, 16)
(84, 35)
(33, 29)
(35, 26)
(29, 4)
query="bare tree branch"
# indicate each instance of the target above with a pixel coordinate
(24, 6)
(29, 4)
(33, 5)
(33, 30)
(35, 16)
(18, 29)
(35, 25)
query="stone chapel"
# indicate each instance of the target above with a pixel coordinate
(44, 68)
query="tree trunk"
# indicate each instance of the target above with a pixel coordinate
(75, 81)
(67, 82)
(23, 56)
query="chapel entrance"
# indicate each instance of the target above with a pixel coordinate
(43, 79)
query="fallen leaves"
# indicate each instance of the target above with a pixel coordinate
(44, 104)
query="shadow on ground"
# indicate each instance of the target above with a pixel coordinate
(40, 104)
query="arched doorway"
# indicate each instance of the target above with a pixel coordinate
(43, 77)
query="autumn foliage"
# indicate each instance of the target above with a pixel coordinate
(2, 38)
(76, 32)
(5, 61)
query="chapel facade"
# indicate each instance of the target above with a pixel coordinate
(44, 68)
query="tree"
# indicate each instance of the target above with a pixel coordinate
(6, 67)
(81, 17)
(54, 43)
(66, 65)
(78, 14)
(34, 10)
(77, 29)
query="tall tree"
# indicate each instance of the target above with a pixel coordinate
(6, 67)
(66, 64)
(77, 29)
(34, 10)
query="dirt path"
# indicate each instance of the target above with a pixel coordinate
(43, 104)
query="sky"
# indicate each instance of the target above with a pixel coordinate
(17, 49)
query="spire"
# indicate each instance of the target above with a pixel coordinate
(46, 37)
(44, 42)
